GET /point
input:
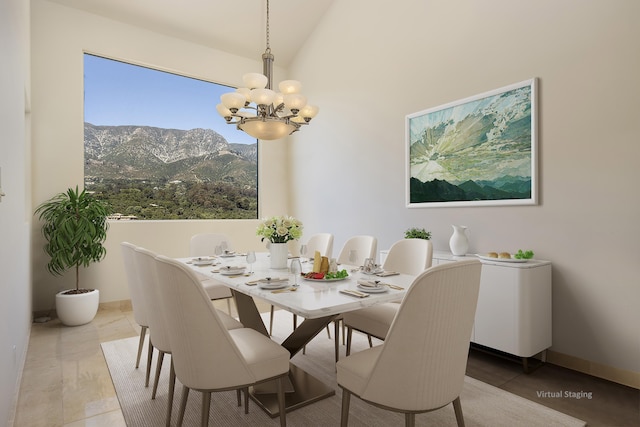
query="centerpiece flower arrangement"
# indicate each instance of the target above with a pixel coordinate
(280, 229)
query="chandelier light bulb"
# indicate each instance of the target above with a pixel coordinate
(246, 92)
(233, 101)
(255, 80)
(262, 96)
(224, 111)
(290, 86)
(309, 112)
(295, 102)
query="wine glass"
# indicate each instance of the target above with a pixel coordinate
(303, 250)
(251, 258)
(353, 256)
(218, 250)
(296, 269)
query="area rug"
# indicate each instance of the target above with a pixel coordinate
(482, 404)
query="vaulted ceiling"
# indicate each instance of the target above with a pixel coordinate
(237, 27)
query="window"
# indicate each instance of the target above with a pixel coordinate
(155, 147)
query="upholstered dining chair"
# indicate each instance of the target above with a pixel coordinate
(434, 321)
(206, 356)
(158, 334)
(407, 256)
(321, 242)
(138, 302)
(354, 251)
(204, 244)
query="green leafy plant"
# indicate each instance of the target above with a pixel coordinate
(417, 233)
(75, 226)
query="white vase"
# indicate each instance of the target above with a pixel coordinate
(459, 243)
(279, 253)
(77, 309)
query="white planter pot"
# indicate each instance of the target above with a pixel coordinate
(279, 253)
(77, 309)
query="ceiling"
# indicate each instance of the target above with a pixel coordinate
(235, 26)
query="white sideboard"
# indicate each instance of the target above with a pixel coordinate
(514, 305)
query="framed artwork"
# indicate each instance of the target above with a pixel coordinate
(477, 151)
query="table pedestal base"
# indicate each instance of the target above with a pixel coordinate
(307, 389)
(303, 388)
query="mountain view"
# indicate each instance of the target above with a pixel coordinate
(479, 150)
(153, 173)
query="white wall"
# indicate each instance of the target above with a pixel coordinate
(60, 37)
(369, 67)
(15, 208)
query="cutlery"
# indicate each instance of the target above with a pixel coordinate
(354, 293)
(279, 291)
(240, 275)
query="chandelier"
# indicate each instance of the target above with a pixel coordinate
(260, 111)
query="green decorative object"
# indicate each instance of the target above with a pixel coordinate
(75, 226)
(417, 233)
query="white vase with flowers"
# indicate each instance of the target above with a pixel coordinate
(279, 230)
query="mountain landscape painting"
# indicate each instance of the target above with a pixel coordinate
(147, 172)
(477, 151)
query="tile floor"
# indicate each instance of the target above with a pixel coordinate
(66, 381)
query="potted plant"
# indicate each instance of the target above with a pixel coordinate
(417, 233)
(75, 227)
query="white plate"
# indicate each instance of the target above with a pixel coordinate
(488, 258)
(372, 290)
(227, 255)
(374, 272)
(202, 261)
(273, 285)
(231, 271)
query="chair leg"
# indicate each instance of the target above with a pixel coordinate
(370, 342)
(149, 360)
(172, 387)
(457, 407)
(206, 406)
(246, 400)
(271, 322)
(337, 339)
(343, 332)
(295, 321)
(349, 334)
(183, 405)
(143, 331)
(281, 408)
(344, 415)
(229, 306)
(409, 419)
(157, 378)
(328, 332)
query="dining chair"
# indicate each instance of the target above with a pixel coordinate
(354, 251)
(204, 244)
(434, 321)
(321, 242)
(138, 302)
(206, 356)
(407, 256)
(158, 334)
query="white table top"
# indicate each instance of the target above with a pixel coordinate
(311, 299)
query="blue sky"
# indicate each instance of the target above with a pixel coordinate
(116, 93)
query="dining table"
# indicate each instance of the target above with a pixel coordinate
(317, 301)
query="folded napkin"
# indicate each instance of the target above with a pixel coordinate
(265, 280)
(354, 293)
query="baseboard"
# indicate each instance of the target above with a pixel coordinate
(617, 375)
